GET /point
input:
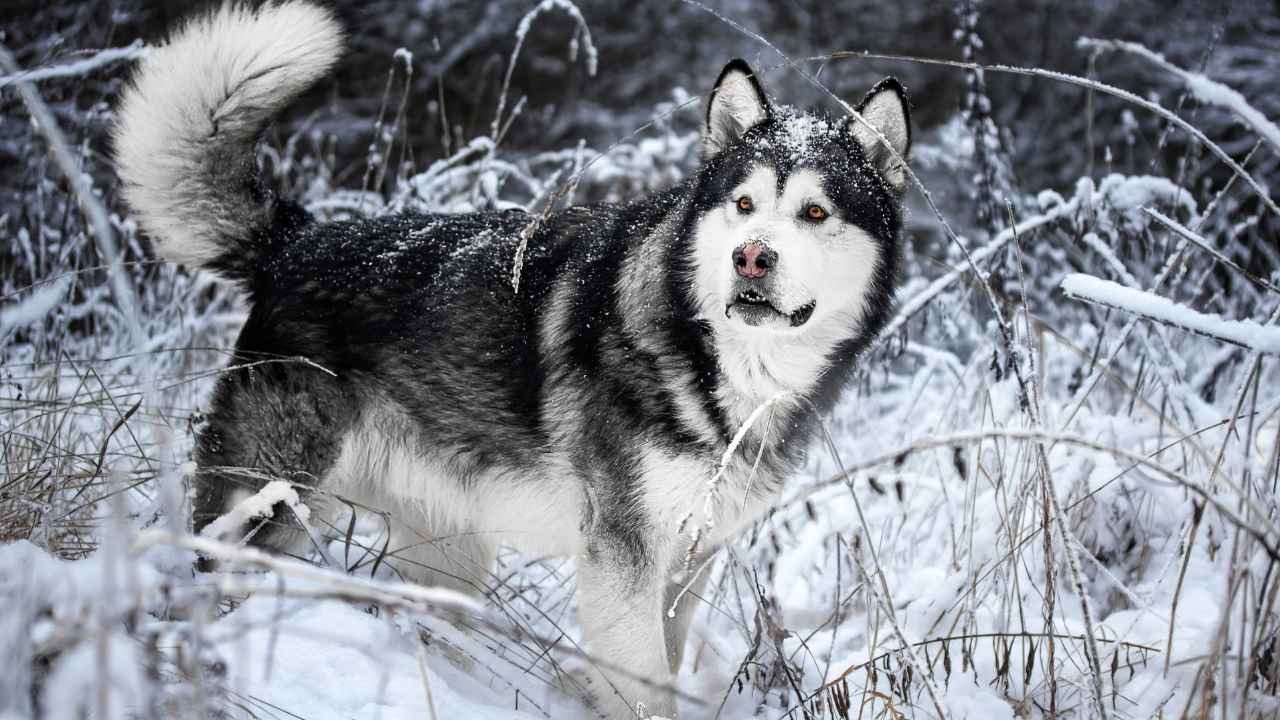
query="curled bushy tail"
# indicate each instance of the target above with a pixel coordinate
(189, 121)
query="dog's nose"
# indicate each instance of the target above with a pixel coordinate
(754, 260)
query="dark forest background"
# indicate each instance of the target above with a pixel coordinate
(648, 49)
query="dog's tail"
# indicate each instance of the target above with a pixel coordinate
(190, 120)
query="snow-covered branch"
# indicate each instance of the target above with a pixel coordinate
(401, 595)
(1210, 92)
(1245, 333)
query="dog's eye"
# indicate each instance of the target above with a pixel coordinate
(745, 205)
(816, 213)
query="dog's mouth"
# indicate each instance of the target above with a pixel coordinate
(755, 309)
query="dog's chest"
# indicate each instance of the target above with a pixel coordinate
(688, 495)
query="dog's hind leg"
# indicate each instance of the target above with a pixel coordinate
(415, 545)
(438, 557)
(424, 531)
(271, 421)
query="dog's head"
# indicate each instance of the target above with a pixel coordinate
(798, 215)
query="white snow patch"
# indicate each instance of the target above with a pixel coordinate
(258, 505)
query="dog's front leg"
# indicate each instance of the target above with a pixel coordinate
(683, 597)
(620, 608)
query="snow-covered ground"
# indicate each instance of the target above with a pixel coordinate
(934, 536)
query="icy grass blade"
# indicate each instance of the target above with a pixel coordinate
(712, 495)
(1190, 236)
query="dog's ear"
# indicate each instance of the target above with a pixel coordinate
(736, 104)
(885, 108)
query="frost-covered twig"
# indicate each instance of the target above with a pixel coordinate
(497, 129)
(1245, 333)
(1195, 239)
(257, 506)
(1210, 92)
(78, 67)
(1069, 544)
(261, 505)
(522, 30)
(712, 494)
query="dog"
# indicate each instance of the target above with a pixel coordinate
(635, 400)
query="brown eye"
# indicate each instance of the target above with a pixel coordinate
(744, 204)
(815, 213)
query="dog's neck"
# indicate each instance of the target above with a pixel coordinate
(752, 367)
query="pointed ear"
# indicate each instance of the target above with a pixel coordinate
(736, 104)
(885, 108)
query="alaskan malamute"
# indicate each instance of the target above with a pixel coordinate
(588, 410)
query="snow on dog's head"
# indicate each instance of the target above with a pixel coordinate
(798, 215)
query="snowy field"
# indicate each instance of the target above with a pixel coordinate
(1049, 492)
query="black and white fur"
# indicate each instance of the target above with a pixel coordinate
(584, 414)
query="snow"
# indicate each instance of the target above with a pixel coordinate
(1245, 333)
(259, 505)
(35, 306)
(326, 659)
(801, 131)
(50, 604)
(72, 689)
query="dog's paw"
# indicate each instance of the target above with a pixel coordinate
(604, 699)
